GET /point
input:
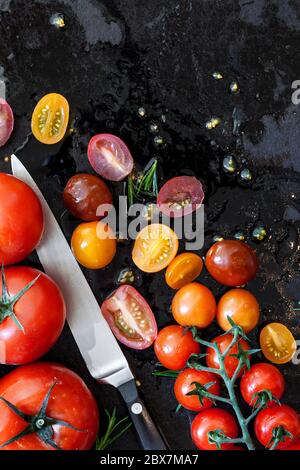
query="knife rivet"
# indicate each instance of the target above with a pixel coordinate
(136, 408)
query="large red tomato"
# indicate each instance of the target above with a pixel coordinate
(70, 405)
(21, 220)
(31, 324)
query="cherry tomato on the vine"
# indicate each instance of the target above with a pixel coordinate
(213, 419)
(194, 305)
(84, 194)
(183, 270)
(277, 343)
(282, 418)
(50, 118)
(180, 196)
(110, 157)
(184, 384)
(259, 377)
(239, 305)
(231, 262)
(21, 220)
(230, 361)
(155, 247)
(6, 122)
(130, 317)
(173, 347)
(295, 446)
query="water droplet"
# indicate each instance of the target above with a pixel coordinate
(142, 112)
(158, 140)
(163, 118)
(213, 123)
(240, 236)
(58, 20)
(126, 276)
(234, 88)
(217, 75)
(229, 164)
(259, 233)
(246, 175)
(153, 128)
(217, 238)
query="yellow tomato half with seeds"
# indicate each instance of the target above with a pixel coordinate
(155, 247)
(277, 343)
(50, 118)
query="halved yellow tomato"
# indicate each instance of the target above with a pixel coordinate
(183, 270)
(155, 247)
(277, 343)
(50, 118)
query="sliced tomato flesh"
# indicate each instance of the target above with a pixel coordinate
(6, 122)
(180, 196)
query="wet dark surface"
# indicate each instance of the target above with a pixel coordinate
(115, 56)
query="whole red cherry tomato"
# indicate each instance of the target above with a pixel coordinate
(70, 404)
(6, 122)
(84, 194)
(214, 419)
(259, 377)
(173, 347)
(230, 362)
(282, 418)
(30, 326)
(185, 384)
(21, 220)
(231, 262)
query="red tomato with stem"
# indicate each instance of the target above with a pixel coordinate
(21, 220)
(71, 418)
(185, 384)
(180, 196)
(259, 377)
(6, 122)
(278, 417)
(295, 446)
(30, 323)
(173, 347)
(230, 362)
(214, 419)
(231, 262)
(130, 317)
(110, 157)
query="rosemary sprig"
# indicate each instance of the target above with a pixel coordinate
(108, 438)
(143, 185)
(166, 373)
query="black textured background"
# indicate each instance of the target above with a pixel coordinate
(114, 56)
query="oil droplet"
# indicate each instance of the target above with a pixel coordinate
(229, 164)
(126, 276)
(58, 20)
(246, 175)
(240, 236)
(217, 75)
(234, 88)
(259, 233)
(217, 238)
(158, 140)
(142, 112)
(213, 123)
(153, 128)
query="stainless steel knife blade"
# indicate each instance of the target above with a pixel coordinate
(98, 346)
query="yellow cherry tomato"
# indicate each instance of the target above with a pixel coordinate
(155, 247)
(183, 270)
(93, 245)
(50, 118)
(277, 343)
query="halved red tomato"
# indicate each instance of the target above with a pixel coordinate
(6, 122)
(130, 317)
(110, 157)
(180, 196)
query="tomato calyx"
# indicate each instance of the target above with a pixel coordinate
(262, 398)
(202, 391)
(279, 434)
(7, 301)
(218, 437)
(243, 356)
(39, 424)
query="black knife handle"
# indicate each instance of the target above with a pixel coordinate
(148, 433)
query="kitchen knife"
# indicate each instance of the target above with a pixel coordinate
(98, 346)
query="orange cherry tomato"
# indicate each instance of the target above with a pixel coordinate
(93, 245)
(184, 269)
(241, 306)
(155, 247)
(194, 305)
(50, 118)
(277, 343)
